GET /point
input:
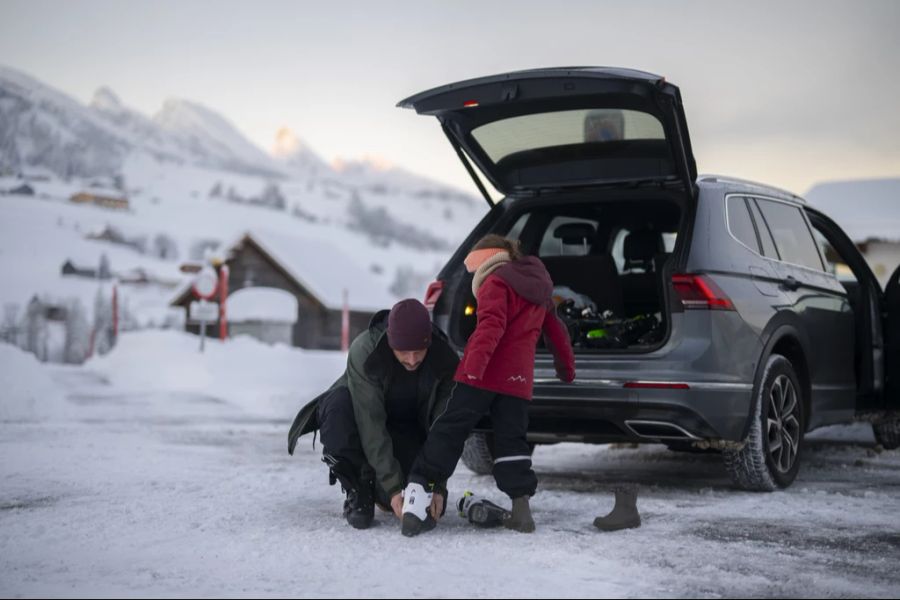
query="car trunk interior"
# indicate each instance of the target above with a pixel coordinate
(607, 258)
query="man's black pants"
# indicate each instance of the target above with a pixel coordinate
(340, 437)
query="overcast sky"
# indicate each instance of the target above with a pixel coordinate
(789, 93)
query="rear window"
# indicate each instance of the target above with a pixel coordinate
(506, 137)
(792, 235)
(575, 239)
(618, 248)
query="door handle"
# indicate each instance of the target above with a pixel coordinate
(790, 283)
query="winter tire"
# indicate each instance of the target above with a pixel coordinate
(887, 433)
(771, 457)
(478, 453)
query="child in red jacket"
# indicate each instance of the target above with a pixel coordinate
(494, 377)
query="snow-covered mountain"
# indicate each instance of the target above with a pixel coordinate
(297, 157)
(211, 139)
(41, 127)
(193, 182)
(138, 129)
(184, 133)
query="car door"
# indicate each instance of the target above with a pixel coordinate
(820, 305)
(877, 359)
(892, 341)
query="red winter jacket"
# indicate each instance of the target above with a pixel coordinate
(514, 309)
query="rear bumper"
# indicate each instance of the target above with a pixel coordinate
(606, 411)
(714, 353)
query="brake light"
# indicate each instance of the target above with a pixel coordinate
(699, 292)
(470, 104)
(433, 293)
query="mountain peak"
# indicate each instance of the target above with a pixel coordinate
(177, 112)
(287, 143)
(290, 150)
(106, 100)
(217, 134)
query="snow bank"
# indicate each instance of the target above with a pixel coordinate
(26, 391)
(269, 381)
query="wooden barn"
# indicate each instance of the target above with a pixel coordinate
(316, 273)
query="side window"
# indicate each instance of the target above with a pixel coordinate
(618, 249)
(577, 241)
(792, 236)
(740, 224)
(834, 263)
(516, 230)
(669, 240)
(765, 235)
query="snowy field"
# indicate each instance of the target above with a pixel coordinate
(156, 471)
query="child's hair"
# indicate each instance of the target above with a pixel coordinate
(492, 240)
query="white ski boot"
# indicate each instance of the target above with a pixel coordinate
(416, 518)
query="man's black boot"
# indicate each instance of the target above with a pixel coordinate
(359, 505)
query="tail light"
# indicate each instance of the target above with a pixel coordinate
(433, 293)
(699, 292)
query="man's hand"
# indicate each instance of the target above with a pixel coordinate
(397, 504)
(437, 506)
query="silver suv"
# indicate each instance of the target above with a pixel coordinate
(706, 313)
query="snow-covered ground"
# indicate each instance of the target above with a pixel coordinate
(162, 472)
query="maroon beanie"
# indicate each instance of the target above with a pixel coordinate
(409, 326)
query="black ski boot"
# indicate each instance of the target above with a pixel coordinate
(359, 505)
(481, 512)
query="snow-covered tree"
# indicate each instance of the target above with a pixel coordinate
(35, 330)
(199, 248)
(10, 326)
(382, 228)
(409, 283)
(165, 247)
(103, 271)
(103, 322)
(78, 333)
(272, 197)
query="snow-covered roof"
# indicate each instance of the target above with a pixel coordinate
(325, 270)
(262, 304)
(321, 267)
(865, 209)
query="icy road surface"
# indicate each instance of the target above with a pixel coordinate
(166, 493)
